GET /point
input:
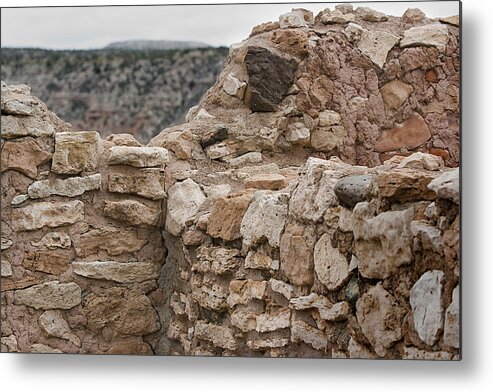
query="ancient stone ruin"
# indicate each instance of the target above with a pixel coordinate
(309, 206)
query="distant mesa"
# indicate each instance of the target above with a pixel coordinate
(155, 45)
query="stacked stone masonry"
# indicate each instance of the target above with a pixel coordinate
(309, 206)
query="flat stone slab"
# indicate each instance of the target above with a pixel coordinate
(133, 272)
(47, 214)
(148, 183)
(70, 187)
(138, 156)
(76, 152)
(51, 295)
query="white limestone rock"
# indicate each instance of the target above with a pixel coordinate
(53, 323)
(447, 186)
(331, 266)
(70, 187)
(265, 218)
(434, 34)
(451, 331)
(376, 44)
(184, 201)
(54, 240)
(426, 304)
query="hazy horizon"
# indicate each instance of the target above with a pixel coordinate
(86, 28)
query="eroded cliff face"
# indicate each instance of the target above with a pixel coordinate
(308, 208)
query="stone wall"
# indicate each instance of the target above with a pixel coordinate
(308, 208)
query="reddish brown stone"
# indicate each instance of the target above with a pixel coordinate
(431, 76)
(410, 134)
(440, 152)
(292, 41)
(49, 262)
(24, 156)
(226, 215)
(130, 346)
(16, 284)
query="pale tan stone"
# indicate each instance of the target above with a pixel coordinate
(112, 240)
(331, 266)
(376, 44)
(451, 332)
(184, 201)
(47, 214)
(51, 295)
(271, 181)
(138, 156)
(132, 212)
(19, 126)
(243, 291)
(128, 312)
(304, 332)
(226, 216)
(380, 318)
(296, 254)
(218, 335)
(382, 244)
(435, 34)
(148, 183)
(40, 348)
(265, 218)
(54, 240)
(53, 323)
(395, 93)
(70, 187)
(131, 272)
(273, 321)
(76, 152)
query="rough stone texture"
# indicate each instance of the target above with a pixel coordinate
(265, 218)
(125, 311)
(138, 156)
(451, 333)
(410, 134)
(23, 156)
(383, 243)
(326, 139)
(71, 187)
(380, 318)
(352, 190)
(217, 335)
(331, 266)
(303, 332)
(243, 291)
(426, 303)
(54, 324)
(46, 214)
(226, 216)
(271, 182)
(54, 240)
(447, 185)
(395, 93)
(269, 77)
(132, 212)
(148, 183)
(296, 254)
(114, 241)
(429, 35)
(51, 295)
(6, 270)
(334, 106)
(376, 45)
(75, 152)
(115, 271)
(184, 201)
(269, 322)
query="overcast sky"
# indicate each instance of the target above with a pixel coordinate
(95, 27)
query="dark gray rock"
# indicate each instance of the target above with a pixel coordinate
(214, 136)
(269, 78)
(352, 190)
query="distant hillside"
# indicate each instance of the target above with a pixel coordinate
(114, 91)
(155, 45)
